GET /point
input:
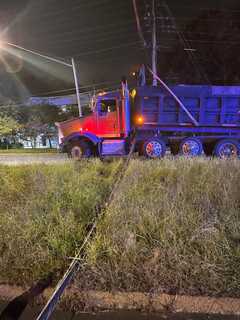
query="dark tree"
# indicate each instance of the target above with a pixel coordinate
(215, 38)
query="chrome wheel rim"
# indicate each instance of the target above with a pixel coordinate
(191, 148)
(154, 149)
(228, 150)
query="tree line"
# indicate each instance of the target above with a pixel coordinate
(25, 123)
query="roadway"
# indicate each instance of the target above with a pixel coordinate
(19, 159)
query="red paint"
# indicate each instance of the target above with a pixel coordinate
(103, 126)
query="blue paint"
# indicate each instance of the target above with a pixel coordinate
(210, 106)
(127, 113)
(77, 135)
(207, 113)
(190, 129)
(113, 147)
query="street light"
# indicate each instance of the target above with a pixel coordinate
(72, 66)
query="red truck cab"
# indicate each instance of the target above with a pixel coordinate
(107, 122)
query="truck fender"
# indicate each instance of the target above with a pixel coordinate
(77, 135)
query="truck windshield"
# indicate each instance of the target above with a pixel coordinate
(108, 105)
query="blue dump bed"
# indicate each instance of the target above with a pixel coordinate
(210, 106)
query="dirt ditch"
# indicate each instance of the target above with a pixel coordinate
(88, 301)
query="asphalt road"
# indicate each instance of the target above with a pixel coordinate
(17, 159)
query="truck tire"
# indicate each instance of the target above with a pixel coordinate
(78, 150)
(191, 147)
(227, 149)
(154, 148)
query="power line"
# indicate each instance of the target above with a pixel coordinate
(75, 8)
(101, 39)
(81, 87)
(220, 9)
(62, 20)
(140, 33)
(112, 36)
(17, 102)
(71, 92)
(210, 41)
(203, 19)
(134, 51)
(53, 13)
(89, 52)
(106, 49)
(186, 45)
(195, 32)
(85, 32)
(93, 35)
(94, 30)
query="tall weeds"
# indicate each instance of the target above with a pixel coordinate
(44, 213)
(173, 227)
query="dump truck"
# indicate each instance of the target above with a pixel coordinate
(188, 120)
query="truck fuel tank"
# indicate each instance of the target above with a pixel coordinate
(113, 148)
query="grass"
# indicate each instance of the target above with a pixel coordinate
(44, 213)
(173, 225)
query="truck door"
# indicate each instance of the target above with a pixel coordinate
(108, 118)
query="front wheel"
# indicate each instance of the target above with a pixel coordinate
(78, 150)
(154, 148)
(227, 149)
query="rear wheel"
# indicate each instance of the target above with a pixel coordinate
(227, 149)
(191, 147)
(79, 149)
(154, 148)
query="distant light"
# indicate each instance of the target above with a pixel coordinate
(133, 74)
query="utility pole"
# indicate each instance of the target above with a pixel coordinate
(77, 87)
(154, 45)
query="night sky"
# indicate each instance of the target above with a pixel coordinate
(100, 34)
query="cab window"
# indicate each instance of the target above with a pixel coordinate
(107, 106)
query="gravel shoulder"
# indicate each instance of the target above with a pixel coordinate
(18, 159)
